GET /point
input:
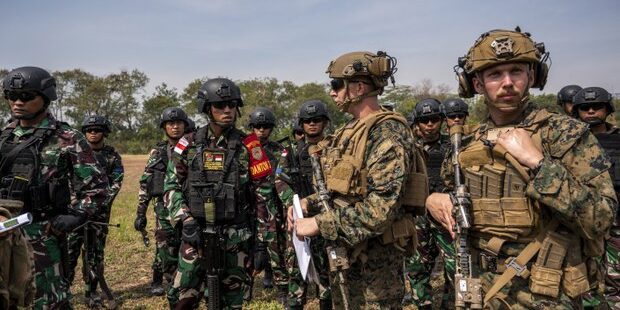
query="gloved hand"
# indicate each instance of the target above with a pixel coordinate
(261, 257)
(140, 222)
(191, 232)
(66, 223)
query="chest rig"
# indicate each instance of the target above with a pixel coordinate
(159, 167)
(610, 142)
(436, 153)
(301, 169)
(212, 188)
(20, 169)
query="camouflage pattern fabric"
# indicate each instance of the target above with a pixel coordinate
(272, 224)
(167, 239)
(376, 279)
(189, 281)
(574, 185)
(110, 162)
(297, 287)
(16, 269)
(66, 153)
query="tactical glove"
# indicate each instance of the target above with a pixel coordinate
(191, 233)
(261, 257)
(66, 223)
(140, 223)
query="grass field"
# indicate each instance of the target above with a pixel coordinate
(128, 261)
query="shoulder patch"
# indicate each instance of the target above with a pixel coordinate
(181, 145)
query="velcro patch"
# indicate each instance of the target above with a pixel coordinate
(213, 160)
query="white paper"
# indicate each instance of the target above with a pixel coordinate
(302, 248)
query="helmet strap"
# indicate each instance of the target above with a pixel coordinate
(344, 107)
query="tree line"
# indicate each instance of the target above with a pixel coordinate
(134, 113)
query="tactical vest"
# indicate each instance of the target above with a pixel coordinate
(610, 142)
(212, 188)
(159, 167)
(301, 169)
(436, 153)
(21, 179)
(345, 173)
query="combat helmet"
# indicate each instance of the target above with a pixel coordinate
(173, 114)
(312, 109)
(96, 121)
(262, 116)
(498, 47)
(592, 95)
(31, 79)
(567, 93)
(217, 90)
(454, 106)
(426, 108)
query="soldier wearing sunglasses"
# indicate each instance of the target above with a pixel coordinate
(455, 111)
(43, 162)
(428, 117)
(593, 105)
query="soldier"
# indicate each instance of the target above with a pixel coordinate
(593, 105)
(455, 110)
(365, 167)
(294, 176)
(428, 119)
(96, 128)
(565, 98)
(174, 122)
(541, 196)
(269, 254)
(214, 189)
(42, 162)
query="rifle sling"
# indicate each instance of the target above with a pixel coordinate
(517, 266)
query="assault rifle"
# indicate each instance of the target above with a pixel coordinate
(214, 263)
(467, 288)
(95, 276)
(337, 256)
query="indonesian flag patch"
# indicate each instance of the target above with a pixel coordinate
(181, 145)
(260, 166)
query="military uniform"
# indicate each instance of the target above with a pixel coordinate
(610, 142)
(433, 240)
(54, 157)
(294, 176)
(221, 185)
(272, 223)
(166, 236)
(110, 162)
(557, 213)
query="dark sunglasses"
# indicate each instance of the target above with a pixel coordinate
(432, 119)
(263, 126)
(596, 106)
(315, 120)
(94, 130)
(337, 84)
(299, 133)
(457, 115)
(221, 104)
(23, 96)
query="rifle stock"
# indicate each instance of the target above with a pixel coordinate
(467, 288)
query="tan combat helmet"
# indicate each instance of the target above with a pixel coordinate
(376, 68)
(497, 47)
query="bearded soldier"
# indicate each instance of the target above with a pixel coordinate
(175, 124)
(294, 176)
(566, 98)
(269, 254)
(365, 167)
(541, 198)
(428, 117)
(215, 188)
(96, 128)
(593, 105)
(42, 163)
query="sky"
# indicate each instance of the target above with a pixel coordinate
(177, 41)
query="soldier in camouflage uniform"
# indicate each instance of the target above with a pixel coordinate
(42, 162)
(365, 167)
(593, 105)
(542, 197)
(174, 122)
(294, 176)
(432, 240)
(262, 122)
(96, 128)
(565, 98)
(455, 111)
(215, 188)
